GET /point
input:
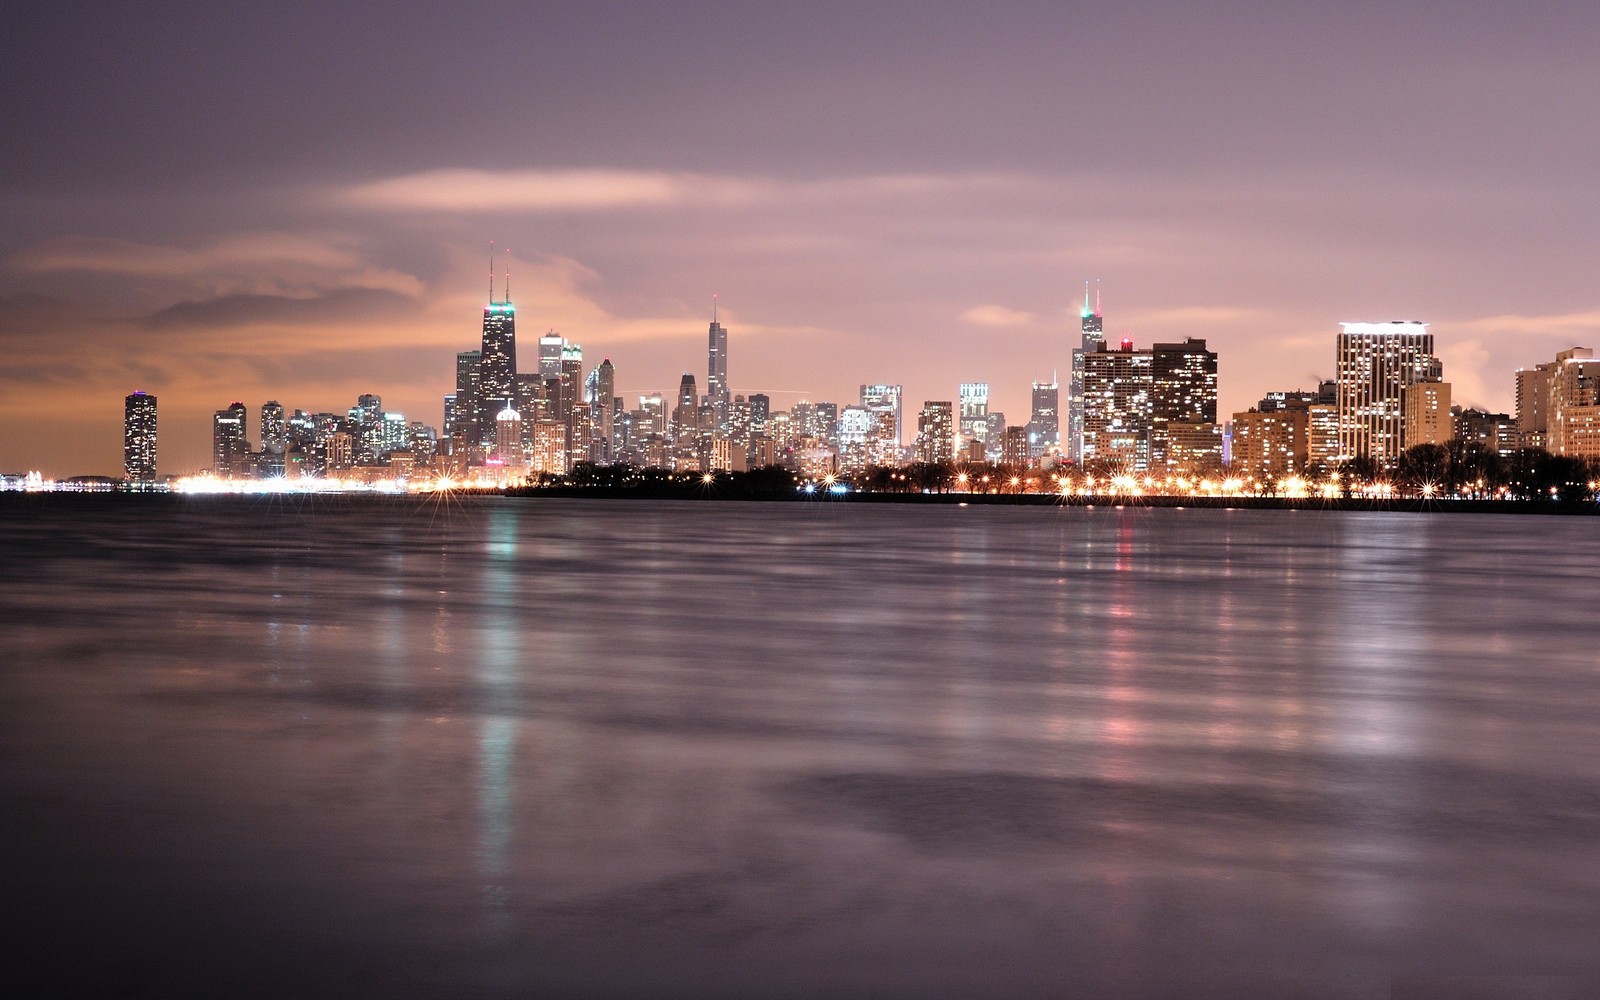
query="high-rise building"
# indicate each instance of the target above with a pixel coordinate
(1044, 419)
(1375, 363)
(884, 398)
(508, 438)
(550, 346)
(974, 414)
(1116, 407)
(230, 451)
(1494, 432)
(1269, 446)
(686, 411)
(468, 367)
(1427, 414)
(274, 428)
(1183, 389)
(1091, 337)
(497, 364)
(1013, 446)
(1574, 405)
(936, 432)
(600, 390)
(139, 437)
(717, 370)
(574, 412)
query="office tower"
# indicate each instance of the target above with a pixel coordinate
(550, 346)
(1427, 414)
(883, 398)
(1183, 389)
(139, 437)
(508, 438)
(717, 369)
(856, 433)
(1269, 446)
(394, 434)
(601, 391)
(1117, 408)
(1044, 419)
(497, 363)
(1013, 446)
(230, 452)
(761, 412)
(366, 419)
(936, 432)
(273, 427)
(1375, 362)
(465, 425)
(974, 416)
(686, 410)
(1091, 337)
(1574, 405)
(572, 410)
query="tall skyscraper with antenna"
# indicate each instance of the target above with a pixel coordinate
(717, 369)
(139, 437)
(1092, 338)
(497, 361)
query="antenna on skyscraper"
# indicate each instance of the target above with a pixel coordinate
(508, 275)
(1097, 296)
(713, 307)
(491, 272)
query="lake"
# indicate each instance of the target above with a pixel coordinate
(495, 747)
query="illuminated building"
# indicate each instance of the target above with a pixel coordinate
(497, 365)
(1574, 406)
(883, 398)
(1375, 363)
(1496, 432)
(1269, 446)
(1116, 408)
(274, 428)
(600, 390)
(508, 438)
(1092, 337)
(1044, 419)
(974, 416)
(1183, 389)
(686, 412)
(1014, 446)
(1427, 414)
(549, 445)
(936, 432)
(550, 346)
(760, 412)
(1533, 402)
(717, 370)
(466, 407)
(1322, 437)
(572, 409)
(366, 419)
(1194, 449)
(339, 447)
(139, 437)
(230, 452)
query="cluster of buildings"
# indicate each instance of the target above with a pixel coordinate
(1148, 412)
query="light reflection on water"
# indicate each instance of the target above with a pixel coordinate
(633, 749)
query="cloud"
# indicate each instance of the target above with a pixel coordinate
(231, 311)
(468, 190)
(996, 315)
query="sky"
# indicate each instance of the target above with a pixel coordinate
(295, 201)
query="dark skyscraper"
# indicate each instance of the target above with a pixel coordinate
(686, 413)
(466, 407)
(497, 363)
(1183, 390)
(717, 368)
(139, 437)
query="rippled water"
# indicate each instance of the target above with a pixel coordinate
(562, 748)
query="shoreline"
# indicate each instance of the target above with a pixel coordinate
(723, 492)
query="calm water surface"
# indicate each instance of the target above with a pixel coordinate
(553, 748)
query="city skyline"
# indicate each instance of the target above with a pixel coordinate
(904, 195)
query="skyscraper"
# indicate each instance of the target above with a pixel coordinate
(497, 362)
(974, 415)
(1375, 363)
(1116, 407)
(1183, 390)
(884, 398)
(686, 411)
(274, 427)
(139, 437)
(1091, 337)
(229, 449)
(1044, 419)
(717, 369)
(936, 432)
(465, 425)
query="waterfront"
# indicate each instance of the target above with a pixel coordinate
(561, 747)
